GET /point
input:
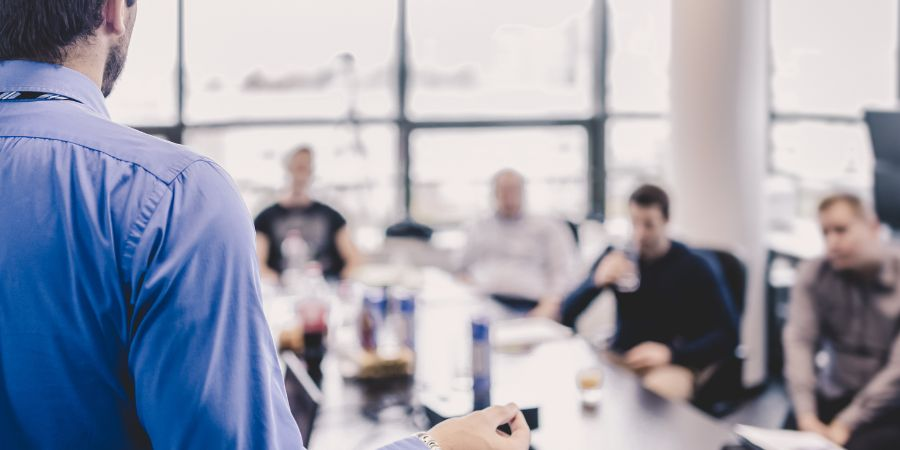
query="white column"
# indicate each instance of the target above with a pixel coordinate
(719, 114)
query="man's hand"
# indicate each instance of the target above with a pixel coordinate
(611, 268)
(648, 356)
(839, 433)
(812, 424)
(548, 307)
(478, 431)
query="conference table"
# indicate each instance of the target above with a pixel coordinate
(628, 417)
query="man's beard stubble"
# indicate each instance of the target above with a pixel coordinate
(115, 62)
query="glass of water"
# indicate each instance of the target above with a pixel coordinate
(590, 382)
(630, 281)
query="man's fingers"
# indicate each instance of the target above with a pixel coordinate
(633, 356)
(521, 434)
(498, 415)
(637, 360)
(639, 365)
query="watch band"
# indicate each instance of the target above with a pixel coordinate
(428, 441)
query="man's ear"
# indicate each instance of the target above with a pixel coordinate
(115, 15)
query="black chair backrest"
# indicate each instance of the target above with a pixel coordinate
(884, 131)
(409, 229)
(573, 227)
(734, 274)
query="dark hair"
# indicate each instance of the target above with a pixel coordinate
(297, 151)
(42, 30)
(650, 195)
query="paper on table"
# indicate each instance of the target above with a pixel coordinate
(527, 332)
(784, 439)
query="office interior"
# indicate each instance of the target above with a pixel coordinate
(747, 113)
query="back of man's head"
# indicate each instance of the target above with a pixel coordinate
(43, 30)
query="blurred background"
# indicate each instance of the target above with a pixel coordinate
(748, 112)
(398, 96)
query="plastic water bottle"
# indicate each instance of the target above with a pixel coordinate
(314, 299)
(295, 254)
(372, 319)
(407, 303)
(404, 307)
(481, 362)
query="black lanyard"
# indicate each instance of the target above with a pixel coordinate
(21, 96)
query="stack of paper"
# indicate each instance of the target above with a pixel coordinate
(782, 439)
(525, 333)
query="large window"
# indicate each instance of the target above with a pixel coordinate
(639, 47)
(637, 154)
(411, 105)
(450, 187)
(493, 83)
(637, 131)
(146, 93)
(355, 167)
(832, 59)
(506, 58)
(275, 59)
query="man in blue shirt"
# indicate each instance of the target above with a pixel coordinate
(130, 314)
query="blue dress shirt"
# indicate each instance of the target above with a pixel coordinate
(130, 311)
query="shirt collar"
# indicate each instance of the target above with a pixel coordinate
(52, 79)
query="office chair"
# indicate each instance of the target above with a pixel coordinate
(724, 390)
(884, 132)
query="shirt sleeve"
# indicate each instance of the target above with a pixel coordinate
(582, 296)
(201, 355)
(410, 443)
(881, 394)
(337, 220)
(263, 223)
(801, 338)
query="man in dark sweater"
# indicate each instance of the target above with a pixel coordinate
(679, 321)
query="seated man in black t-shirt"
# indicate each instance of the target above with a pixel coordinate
(678, 322)
(324, 233)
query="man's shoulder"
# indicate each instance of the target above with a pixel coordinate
(323, 208)
(544, 224)
(696, 260)
(811, 270)
(685, 253)
(163, 159)
(270, 211)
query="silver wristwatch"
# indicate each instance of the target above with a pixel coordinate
(428, 441)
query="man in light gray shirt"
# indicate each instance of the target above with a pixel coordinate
(524, 261)
(842, 340)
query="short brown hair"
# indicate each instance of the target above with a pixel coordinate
(43, 30)
(650, 195)
(297, 151)
(859, 207)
